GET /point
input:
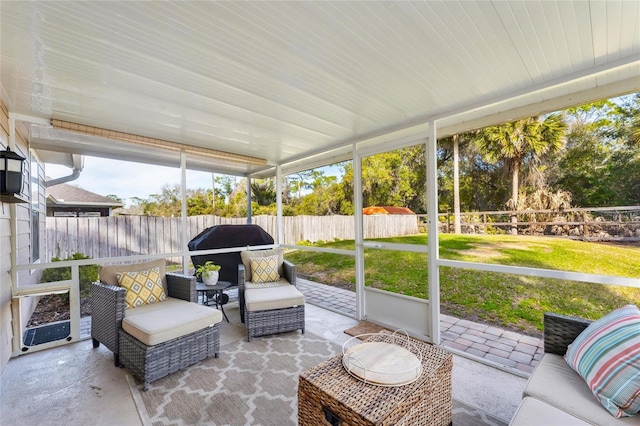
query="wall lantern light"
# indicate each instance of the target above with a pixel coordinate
(11, 172)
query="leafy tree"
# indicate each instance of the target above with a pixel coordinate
(601, 163)
(325, 199)
(115, 198)
(395, 178)
(199, 202)
(518, 143)
(223, 185)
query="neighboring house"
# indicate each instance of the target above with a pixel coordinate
(65, 200)
(386, 210)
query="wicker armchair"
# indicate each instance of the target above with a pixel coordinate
(272, 308)
(149, 362)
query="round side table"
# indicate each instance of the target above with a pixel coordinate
(218, 297)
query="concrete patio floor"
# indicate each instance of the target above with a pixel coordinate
(76, 384)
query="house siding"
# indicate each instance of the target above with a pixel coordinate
(23, 242)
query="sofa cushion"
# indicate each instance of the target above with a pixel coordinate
(143, 287)
(556, 384)
(107, 274)
(247, 255)
(533, 412)
(607, 356)
(266, 299)
(264, 269)
(167, 320)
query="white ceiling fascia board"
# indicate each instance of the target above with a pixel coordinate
(204, 165)
(618, 88)
(629, 61)
(318, 162)
(30, 119)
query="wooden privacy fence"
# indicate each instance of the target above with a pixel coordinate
(133, 235)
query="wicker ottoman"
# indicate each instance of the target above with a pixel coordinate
(328, 395)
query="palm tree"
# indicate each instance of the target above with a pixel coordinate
(263, 193)
(521, 142)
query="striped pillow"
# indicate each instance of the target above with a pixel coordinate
(607, 356)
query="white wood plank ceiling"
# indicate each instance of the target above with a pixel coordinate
(285, 80)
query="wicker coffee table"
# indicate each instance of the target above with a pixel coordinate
(329, 395)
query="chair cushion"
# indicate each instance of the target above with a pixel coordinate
(107, 274)
(264, 269)
(556, 384)
(533, 412)
(607, 356)
(247, 255)
(281, 282)
(167, 320)
(266, 299)
(143, 287)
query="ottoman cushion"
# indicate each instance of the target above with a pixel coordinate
(266, 299)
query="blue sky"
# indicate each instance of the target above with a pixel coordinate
(126, 179)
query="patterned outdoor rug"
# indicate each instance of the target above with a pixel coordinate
(250, 384)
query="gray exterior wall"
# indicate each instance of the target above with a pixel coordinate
(20, 229)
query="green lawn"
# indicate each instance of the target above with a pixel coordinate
(505, 300)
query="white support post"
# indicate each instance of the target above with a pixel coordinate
(183, 191)
(248, 199)
(74, 303)
(13, 211)
(359, 233)
(280, 231)
(433, 248)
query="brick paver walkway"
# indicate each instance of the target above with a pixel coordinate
(506, 348)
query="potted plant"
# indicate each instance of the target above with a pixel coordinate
(208, 272)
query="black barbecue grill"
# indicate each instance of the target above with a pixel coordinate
(226, 236)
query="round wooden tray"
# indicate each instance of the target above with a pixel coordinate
(383, 364)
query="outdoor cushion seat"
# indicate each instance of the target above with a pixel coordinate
(280, 297)
(156, 335)
(171, 319)
(533, 412)
(556, 384)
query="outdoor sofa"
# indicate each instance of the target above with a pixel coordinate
(156, 338)
(555, 394)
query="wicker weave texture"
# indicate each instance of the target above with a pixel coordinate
(327, 387)
(107, 312)
(149, 363)
(560, 331)
(182, 287)
(262, 323)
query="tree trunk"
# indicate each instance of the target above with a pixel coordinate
(456, 188)
(514, 197)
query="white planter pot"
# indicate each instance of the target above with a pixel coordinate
(211, 277)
